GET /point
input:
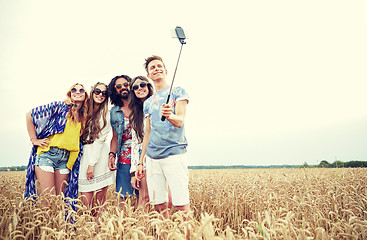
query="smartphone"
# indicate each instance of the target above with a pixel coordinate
(178, 32)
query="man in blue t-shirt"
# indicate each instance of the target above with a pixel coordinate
(164, 142)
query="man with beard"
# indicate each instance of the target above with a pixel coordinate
(120, 148)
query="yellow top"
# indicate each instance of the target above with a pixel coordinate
(68, 140)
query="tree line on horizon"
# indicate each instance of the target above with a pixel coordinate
(337, 164)
(322, 164)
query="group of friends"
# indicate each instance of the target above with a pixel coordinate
(145, 158)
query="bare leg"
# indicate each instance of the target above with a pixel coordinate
(94, 199)
(185, 208)
(60, 180)
(46, 180)
(87, 199)
(170, 205)
(143, 195)
(161, 209)
(101, 196)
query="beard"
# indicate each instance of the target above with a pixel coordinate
(124, 94)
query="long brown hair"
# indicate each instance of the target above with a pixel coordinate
(92, 127)
(136, 105)
(74, 113)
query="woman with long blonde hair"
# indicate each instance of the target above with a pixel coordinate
(54, 130)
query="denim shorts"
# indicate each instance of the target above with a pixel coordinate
(54, 159)
(123, 181)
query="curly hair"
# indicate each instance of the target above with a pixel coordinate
(152, 58)
(115, 98)
(136, 117)
(82, 112)
(93, 127)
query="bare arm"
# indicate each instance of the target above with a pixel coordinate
(113, 148)
(139, 171)
(177, 119)
(30, 126)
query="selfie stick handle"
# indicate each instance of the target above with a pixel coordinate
(169, 94)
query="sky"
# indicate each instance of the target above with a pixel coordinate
(270, 82)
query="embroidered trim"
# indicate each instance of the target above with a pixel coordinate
(95, 180)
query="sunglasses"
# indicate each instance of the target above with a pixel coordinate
(142, 85)
(74, 90)
(119, 86)
(98, 91)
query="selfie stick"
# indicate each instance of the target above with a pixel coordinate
(179, 33)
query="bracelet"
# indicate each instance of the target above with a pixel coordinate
(33, 138)
(140, 164)
(114, 154)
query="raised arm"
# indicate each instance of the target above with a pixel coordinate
(176, 119)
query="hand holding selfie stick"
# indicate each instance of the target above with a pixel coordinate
(179, 33)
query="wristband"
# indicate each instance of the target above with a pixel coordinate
(114, 154)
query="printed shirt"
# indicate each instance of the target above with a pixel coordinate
(125, 157)
(165, 139)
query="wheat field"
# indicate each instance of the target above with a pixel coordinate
(226, 204)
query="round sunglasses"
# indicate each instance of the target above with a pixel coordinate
(98, 91)
(142, 85)
(74, 90)
(119, 86)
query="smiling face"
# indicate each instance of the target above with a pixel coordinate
(99, 94)
(122, 87)
(140, 89)
(77, 93)
(156, 70)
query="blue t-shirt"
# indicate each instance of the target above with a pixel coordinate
(165, 139)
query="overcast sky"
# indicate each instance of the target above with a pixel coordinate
(270, 82)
